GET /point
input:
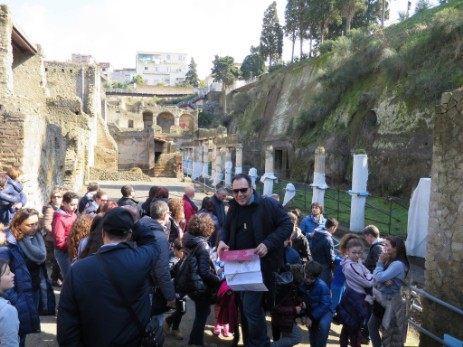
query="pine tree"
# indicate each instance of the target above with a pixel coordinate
(271, 37)
(291, 26)
(191, 77)
(348, 10)
(323, 12)
(253, 65)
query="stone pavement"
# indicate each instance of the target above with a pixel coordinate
(48, 336)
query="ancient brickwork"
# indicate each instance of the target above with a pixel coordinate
(6, 52)
(444, 258)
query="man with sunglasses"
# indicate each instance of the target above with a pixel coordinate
(261, 223)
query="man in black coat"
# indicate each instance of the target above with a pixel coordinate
(91, 312)
(256, 222)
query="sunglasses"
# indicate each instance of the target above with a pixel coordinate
(241, 190)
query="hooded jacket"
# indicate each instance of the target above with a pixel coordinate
(322, 247)
(61, 226)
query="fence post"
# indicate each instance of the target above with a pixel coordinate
(390, 213)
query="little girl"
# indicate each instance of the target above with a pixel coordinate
(9, 322)
(352, 310)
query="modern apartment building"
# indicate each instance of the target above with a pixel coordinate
(168, 68)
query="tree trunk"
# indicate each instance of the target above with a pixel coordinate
(224, 87)
(383, 13)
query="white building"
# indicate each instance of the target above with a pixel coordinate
(124, 75)
(166, 68)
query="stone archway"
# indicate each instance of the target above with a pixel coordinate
(165, 120)
(148, 118)
(187, 122)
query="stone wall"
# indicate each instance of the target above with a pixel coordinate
(444, 258)
(135, 149)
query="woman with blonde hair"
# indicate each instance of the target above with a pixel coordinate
(79, 230)
(176, 220)
(26, 253)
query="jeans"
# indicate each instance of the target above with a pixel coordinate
(51, 261)
(289, 339)
(253, 319)
(320, 330)
(373, 328)
(202, 311)
(326, 274)
(353, 336)
(63, 260)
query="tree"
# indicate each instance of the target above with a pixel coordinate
(138, 80)
(323, 12)
(191, 77)
(253, 65)
(225, 71)
(348, 10)
(271, 37)
(291, 26)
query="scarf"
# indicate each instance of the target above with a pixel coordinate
(34, 248)
(316, 220)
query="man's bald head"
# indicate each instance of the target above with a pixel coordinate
(190, 192)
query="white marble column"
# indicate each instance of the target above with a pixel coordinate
(205, 172)
(319, 182)
(359, 192)
(239, 159)
(218, 167)
(253, 174)
(268, 176)
(197, 162)
(228, 167)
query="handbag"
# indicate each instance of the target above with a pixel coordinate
(159, 305)
(152, 335)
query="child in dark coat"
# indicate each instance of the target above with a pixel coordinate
(317, 299)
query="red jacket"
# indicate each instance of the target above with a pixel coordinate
(188, 209)
(61, 226)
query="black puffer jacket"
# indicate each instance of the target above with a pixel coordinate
(205, 266)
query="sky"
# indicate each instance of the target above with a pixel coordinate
(114, 30)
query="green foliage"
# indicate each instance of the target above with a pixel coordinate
(422, 5)
(253, 65)
(224, 70)
(138, 80)
(208, 120)
(271, 37)
(191, 77)
(240, 102)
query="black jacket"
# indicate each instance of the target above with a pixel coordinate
(91, 312)
(161, 269)
(373, 255)
(271, 225)
(202, 255)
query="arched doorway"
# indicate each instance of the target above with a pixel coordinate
(148, 118)
(187, 122)
(165, 120)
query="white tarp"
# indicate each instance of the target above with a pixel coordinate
(359, 192)
(290, 193)
(319, 186)
(418, 219)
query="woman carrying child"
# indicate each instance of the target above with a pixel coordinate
(352, 310)
(389, 274)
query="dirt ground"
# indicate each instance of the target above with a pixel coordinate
(48, 336)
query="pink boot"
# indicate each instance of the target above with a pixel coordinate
(217, 329)
(225, 331)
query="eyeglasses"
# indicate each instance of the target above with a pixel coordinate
(57, 197)
(240, 190)
(104, 200)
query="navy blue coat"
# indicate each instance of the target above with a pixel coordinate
(317, 298)
(91, 312)
(22, 296)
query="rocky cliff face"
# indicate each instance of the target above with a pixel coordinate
(397, 139)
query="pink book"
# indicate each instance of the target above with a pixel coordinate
(238, 255)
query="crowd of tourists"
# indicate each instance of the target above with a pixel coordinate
(126, 269)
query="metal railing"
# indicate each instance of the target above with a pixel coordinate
(413, 296)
